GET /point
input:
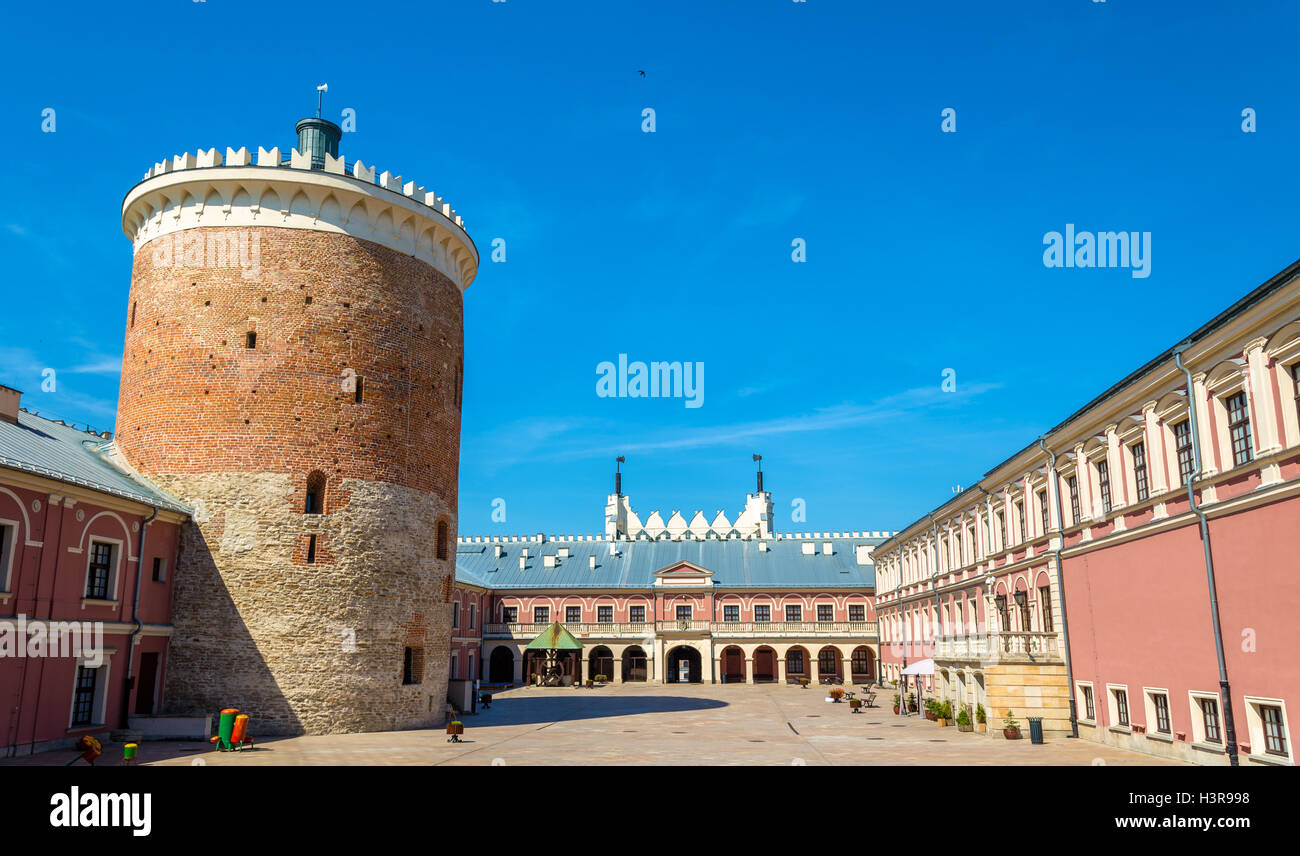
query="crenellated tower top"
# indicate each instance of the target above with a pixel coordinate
(308, 187)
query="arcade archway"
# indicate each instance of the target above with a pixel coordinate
(683, 666)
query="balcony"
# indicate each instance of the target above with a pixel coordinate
(993, 648)
(757, 629)
(581, 630)
(727, 629)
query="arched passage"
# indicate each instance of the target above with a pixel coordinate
(796, 663)
(683, 665)
(864, 665)
(501, 666)
(764, 665)
(828, 665)
(634, 664)
(733, 665)
(601, 662)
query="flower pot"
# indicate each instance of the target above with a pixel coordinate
(942, 722)
(855, 703)
(455, 728)
(895, 710)
(961, 727)
(982, 727)
(928, 715)
(911, 708)
(1011, 733)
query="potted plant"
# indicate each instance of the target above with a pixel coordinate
(836, 694)
(895, 704)
(855, 704)
(1010, 728)
(981, 719)
(455, 728)
(588, 682)
(600, 679)
(931, 710)
(963, 719)
(911, 702)
(944, 711)
(803, 682)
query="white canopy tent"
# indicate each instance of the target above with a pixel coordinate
(920, 667)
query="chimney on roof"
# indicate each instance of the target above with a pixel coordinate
(591, 562)
(497, 550)
(9, 399)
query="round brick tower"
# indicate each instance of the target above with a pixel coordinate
(292, 369)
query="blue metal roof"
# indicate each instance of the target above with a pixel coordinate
(736, 563)
(46, 448)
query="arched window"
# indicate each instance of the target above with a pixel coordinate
(442, 539)
(315, 502)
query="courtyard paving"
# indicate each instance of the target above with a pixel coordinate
(636, 724)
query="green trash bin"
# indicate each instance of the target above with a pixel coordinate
(1036, 730)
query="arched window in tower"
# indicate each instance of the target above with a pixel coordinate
(442, 539)
(315, 503)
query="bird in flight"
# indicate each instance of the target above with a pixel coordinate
(643, 74)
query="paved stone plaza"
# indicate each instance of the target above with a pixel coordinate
(676, 724)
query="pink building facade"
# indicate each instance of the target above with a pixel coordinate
(1089, 535)
(86, 554)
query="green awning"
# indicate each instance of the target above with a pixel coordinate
(555, 638)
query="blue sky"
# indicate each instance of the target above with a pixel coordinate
(774, 121)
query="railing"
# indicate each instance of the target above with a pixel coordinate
(641, 630)
(600, 629)
(794, 628)
(1004, 647)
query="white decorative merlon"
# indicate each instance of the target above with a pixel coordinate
(190, 191)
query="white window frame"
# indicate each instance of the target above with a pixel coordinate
(1112, 707)
(1081, 707)
(1198, 719)
(1255, 725)
(1153, 720)
(8, 540)
(115, 570)
(99, 707)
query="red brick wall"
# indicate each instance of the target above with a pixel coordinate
(195, 399)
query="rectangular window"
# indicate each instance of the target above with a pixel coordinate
(605, 614)
(1160, 702)
(794, 662)
(1042, 507)
(1239, 428)
(451, 670)
(762, 612)
(1121, 706)
(825, 612)
(101, 568)
(731, 613)
(541, 615)
(794, 613)
(1295, 381)
(1183, 445)
(1139, 451)
(311, 550)
(1089, 708)
(1074, 500)
(857, 612)
(473, 609)
(1274, 733)
(510, 614)
(455, 615)
(1020, 518)
(1103, 478)
(1210, 719)
(572, 614)
(83, 698)
(636, 614)
(1045, 601)
(1002, 528)
(250, 340)
(683, 613)
(413, 665)
(159, 568)
(1003, 615)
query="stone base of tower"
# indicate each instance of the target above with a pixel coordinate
(313, 647)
